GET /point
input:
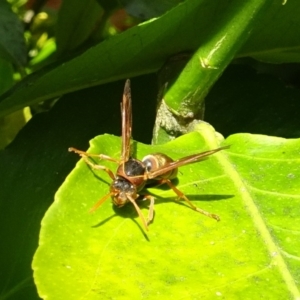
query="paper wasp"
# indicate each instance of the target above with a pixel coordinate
(133, 175)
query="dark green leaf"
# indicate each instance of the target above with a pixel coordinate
(148, 9)
(275, 38)
(145, 48)
(76, 21)
(12, 45)
(244, 101)
(6, 75)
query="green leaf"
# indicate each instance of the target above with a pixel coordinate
(12, 44)
(10, 125)
(145, 48)
(253, 186)
(76, 21)
(34, 166)
(6, 75)
(37, 162)
(145, 10)
(246, 101)
(275, 38)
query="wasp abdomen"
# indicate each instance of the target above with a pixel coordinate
(156, 161)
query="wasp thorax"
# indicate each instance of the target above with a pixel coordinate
(133, 170)
(157, 161)
(134, 167)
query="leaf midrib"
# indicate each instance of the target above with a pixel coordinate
(260, 225)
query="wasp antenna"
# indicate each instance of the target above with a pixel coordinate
(100, 202)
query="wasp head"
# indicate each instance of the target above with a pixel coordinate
(122, 189)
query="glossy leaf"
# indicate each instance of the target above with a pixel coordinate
(253, 186)
(34, 166)
(272, 32)
(145, 48)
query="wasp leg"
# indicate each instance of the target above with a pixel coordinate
(138, 211)
(100, 156)
(92, 165)
(151, 208)
(182, 196)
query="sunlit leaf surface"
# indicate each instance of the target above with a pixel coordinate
(253, 186)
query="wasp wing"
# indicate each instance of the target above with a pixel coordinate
(126, 121)
(184, 161)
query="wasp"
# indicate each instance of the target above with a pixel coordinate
(133, 175)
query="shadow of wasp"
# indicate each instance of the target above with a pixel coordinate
(133, 175)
